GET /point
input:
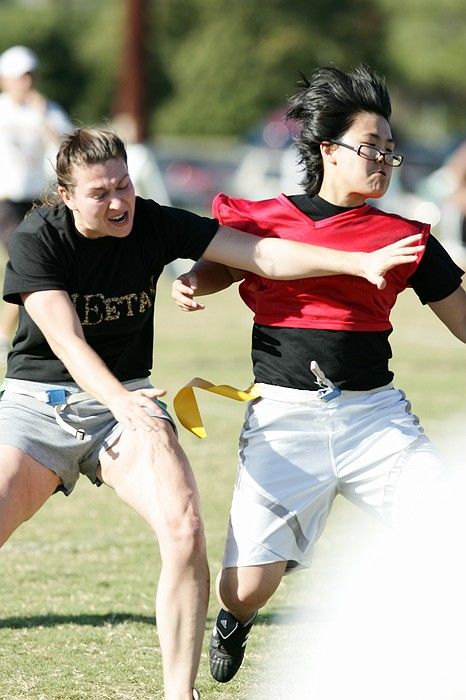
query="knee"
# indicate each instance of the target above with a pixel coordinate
(186, 529)
(242, 593)
(184, 544)
(245, 599)
(181, 534)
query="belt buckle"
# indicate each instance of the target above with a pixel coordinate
(329, 393)
(56, 396)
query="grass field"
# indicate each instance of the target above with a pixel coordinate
(78, 581)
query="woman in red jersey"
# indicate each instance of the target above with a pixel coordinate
(328, 419)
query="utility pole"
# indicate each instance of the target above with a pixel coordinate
(131, 95)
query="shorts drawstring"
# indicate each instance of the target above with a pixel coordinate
(60, 399)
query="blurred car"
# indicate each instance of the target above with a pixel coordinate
(265, 172)
(268, 163)
(274, 131)
(419, 161)
(399, 200)
(258, 175)
(193, 179)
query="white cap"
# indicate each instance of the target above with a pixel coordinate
(16, 61)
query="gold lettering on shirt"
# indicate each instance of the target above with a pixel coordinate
(145, 302)
(93, 309)
(129, 299)
(111, 313)
(111, 303)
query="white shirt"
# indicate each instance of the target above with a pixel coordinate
(27, 151)
(145, 173)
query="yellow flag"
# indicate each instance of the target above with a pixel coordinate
(186, 407)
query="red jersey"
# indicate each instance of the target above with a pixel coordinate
(334, 302)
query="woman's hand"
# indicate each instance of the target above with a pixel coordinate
(131, 408)
(183, 290)
(376, 264)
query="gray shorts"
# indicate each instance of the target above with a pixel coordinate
(29, 425)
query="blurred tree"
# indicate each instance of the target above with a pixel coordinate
(97, 45)
(427, 48)
(216, 66)
(246, 56)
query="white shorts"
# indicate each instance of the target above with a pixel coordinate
(297, 452)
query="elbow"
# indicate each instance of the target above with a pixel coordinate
(61, 347)
(266, 264)
(58, 350)
(462, 336)
(459, 332)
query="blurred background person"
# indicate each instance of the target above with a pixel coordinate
(31, 126)
(142, 162)
(446, 187)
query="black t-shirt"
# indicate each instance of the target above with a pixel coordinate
(111, 282)
(355, 360)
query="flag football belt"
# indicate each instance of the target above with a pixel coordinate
(187, 410)
(186, 407)
(60, 399)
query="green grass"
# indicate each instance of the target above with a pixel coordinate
(78, 581)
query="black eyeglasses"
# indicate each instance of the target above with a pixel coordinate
(373, 153)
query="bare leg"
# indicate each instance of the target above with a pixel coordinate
(25, 485)
(150, 472)
(244, 590)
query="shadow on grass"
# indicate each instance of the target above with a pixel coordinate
(84, 620)
(121, 618)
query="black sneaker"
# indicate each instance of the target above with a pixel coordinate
(227, 646)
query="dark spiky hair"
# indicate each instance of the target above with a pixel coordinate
(324, 108)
